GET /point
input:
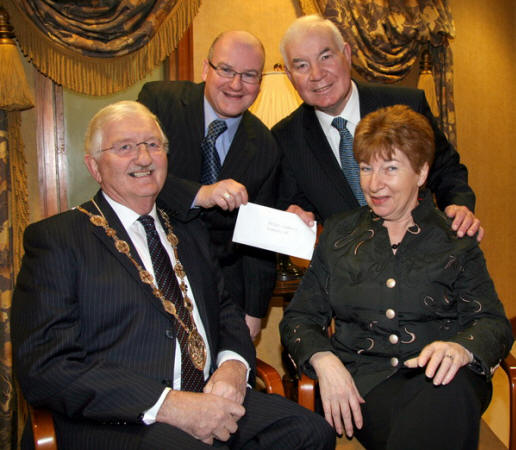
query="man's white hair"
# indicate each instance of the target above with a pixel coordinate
(306, 24)
(113, 113)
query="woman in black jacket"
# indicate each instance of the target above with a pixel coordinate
(419, 328)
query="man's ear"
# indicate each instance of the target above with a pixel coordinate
(93, 168)
(289, 75)
(346, 50)
(205, 68)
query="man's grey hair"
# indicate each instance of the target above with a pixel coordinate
(307, 24)
(113, 113)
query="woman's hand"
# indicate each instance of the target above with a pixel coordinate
(340, 397)
(442, 360)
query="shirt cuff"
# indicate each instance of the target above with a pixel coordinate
(226, 355)
(149, 416)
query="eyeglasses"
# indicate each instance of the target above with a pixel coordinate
(130, 148)
(246, 77)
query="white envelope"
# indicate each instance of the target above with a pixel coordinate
(275, 230)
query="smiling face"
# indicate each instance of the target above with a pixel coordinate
(391, 185)
(132, 180)
(319, 71)
(241, 52)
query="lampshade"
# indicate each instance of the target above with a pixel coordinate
(276, 100)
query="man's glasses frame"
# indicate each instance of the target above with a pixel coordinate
(246, 77)
(130, 148)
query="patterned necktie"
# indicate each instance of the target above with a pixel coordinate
(192, 379)
(349, 165)
(210, 157)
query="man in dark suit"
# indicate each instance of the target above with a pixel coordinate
(246, 157)
(318, 63)
(125, 351)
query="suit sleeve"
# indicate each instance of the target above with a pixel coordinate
(259, 266)
(289, 192)
(448, 178)
(52, 363)
(178, 193)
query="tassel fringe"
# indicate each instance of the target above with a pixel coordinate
(100, 76)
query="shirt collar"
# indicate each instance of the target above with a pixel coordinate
(351, 112)
(126, 215)
(210, 115)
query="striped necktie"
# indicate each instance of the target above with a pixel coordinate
(349, 165)
(210, 157)
(192, 379)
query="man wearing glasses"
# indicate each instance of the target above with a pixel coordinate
(222, 156)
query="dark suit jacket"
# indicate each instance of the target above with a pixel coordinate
(252, 160)
(90, 340)
(312, 178)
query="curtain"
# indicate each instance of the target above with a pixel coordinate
(388, 36)
(13, 219)
(98, 47)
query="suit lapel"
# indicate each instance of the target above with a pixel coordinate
(188, 157)
(241, 152)
(109, 244)
(322, 152)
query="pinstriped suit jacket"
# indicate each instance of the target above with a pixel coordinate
(252, 160)
(312, 178)
(90, 340)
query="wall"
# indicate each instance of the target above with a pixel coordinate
(484, 96)
(267, 19)
(484, 58)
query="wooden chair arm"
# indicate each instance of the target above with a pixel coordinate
(306, 392)
(270, 377)
(43, 429)
(509, 366)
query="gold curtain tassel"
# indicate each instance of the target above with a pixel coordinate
(15, 93)
(426, 81)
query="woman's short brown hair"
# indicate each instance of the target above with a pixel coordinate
(392, 128)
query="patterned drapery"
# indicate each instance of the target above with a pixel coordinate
(388, 36)
(98, 47)
(14, 217)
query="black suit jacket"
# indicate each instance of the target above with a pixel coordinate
(312, 178)
(90, 340)
(252, 160)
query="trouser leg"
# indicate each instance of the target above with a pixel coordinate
(408, 412)
(273, 422)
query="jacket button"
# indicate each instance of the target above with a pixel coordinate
(393, 339)
(394, 362)
(170, 334)
(390, 283)
(390, 313)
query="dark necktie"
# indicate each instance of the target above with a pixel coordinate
(192, 379)
(349, 165)
(210, 157)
